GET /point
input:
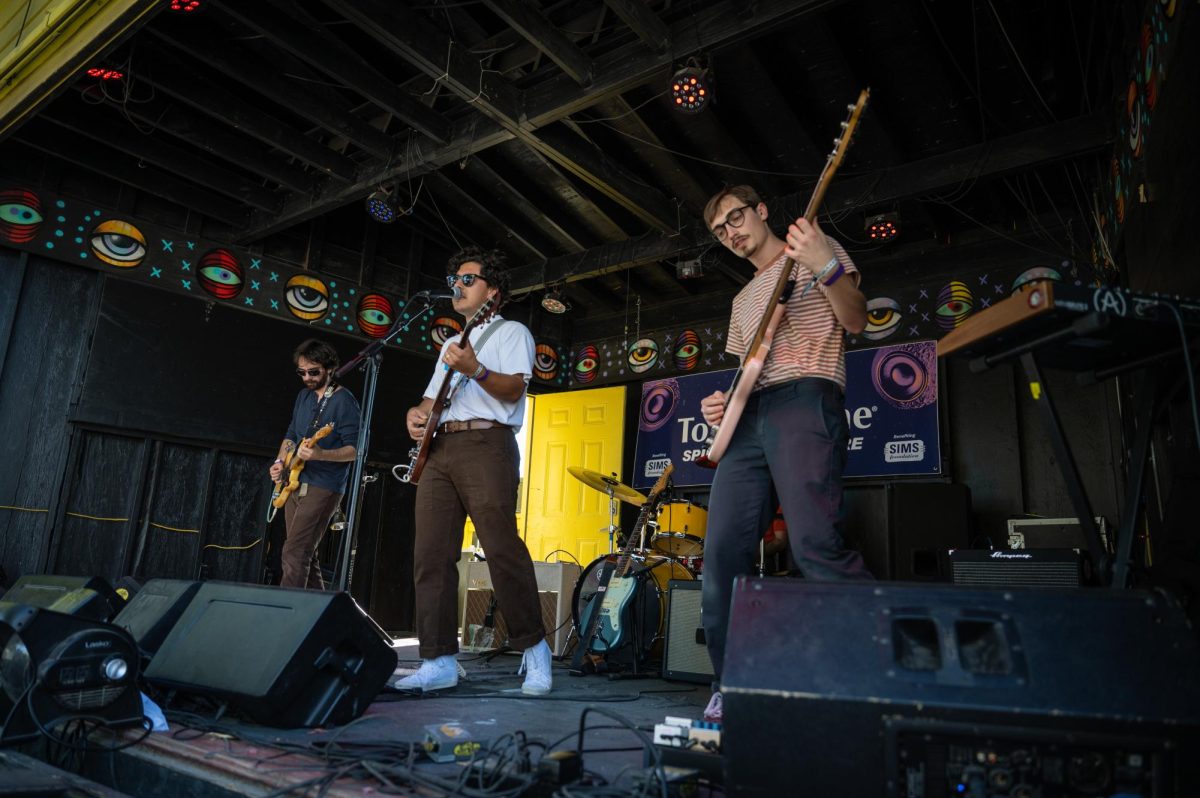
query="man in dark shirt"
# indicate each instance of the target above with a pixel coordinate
(326, 462)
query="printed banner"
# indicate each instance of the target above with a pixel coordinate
(891, 410)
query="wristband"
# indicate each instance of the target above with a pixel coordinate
(485, 375)
(277, 461)
(837, 275)
(479, 369)
(829, 267)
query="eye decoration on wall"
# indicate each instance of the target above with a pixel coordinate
(220, 273)
(659, 399)
(905, 375)
(442, 329)
(687, 350)
(375, 314)
(955, 304)
(118, 243)
(883, 318)
(307, 297)
(643, 354)
(587, 363)
(545, 362)
(20, 216)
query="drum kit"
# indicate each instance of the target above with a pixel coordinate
(669, 545)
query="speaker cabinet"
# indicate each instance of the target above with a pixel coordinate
(555, 583)
(903, 529)
(839, 688)
(1017, 567)
(153, 612)
(56, 667)
(484, 627)
(83, 596)
(283, 657)
(685, 656)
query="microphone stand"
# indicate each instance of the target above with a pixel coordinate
(369, 359)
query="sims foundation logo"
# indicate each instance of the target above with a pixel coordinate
(655, 466)
(909, 451)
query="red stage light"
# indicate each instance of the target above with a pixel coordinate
(185, 6)
(105, 74)
(883, 227)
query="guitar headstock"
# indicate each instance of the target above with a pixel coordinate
(849, 127)
(660, 485)
(322, 432)
(485, 312)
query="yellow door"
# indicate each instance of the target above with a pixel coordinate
(576, 428)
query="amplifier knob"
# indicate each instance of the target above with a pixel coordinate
(115, 669)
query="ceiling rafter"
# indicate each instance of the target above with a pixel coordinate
(645, 23)
(543, 34)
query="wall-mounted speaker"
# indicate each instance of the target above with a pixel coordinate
(888, 689)
(282, 657)
(685, 656)
(56, 667)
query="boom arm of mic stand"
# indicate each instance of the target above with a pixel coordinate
(369, 359)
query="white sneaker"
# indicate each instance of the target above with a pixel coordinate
(434, 674)
(535, 664)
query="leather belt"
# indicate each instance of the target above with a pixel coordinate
(466, 426)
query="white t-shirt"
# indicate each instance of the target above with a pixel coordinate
(509, 350)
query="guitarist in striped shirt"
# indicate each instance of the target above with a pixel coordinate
(792, 433)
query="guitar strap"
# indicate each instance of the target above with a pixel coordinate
(483, 339)
(312, 428)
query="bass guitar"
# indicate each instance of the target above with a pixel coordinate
(410, 472)
(608, 626)
(289, 480)
(760, 347)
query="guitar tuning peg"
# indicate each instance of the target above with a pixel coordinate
(844, 124)
(837, 143)
(850, 108)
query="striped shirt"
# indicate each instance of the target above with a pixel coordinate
(809, 342)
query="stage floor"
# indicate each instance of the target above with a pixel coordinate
(234, 758)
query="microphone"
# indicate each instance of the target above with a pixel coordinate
(434, 294)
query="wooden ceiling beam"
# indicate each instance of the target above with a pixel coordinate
(504, 193)
(483, 215)
(544, 35)
(308, 41)
(645, 23)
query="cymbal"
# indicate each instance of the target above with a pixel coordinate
(602, 483)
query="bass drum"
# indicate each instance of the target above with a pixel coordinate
(649, 611)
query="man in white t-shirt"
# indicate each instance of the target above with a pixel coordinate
(472, 469)
(791, 437)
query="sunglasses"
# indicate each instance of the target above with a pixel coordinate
(467, 279)
(309, 372)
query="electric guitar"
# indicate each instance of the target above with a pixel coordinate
(289, 479)
(410, 472)
(609, 628)
(760, 347)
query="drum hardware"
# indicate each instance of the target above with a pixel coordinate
(611, 487)
(682, 527)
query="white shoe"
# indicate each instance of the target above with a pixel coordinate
(535, 664)
(434, 674)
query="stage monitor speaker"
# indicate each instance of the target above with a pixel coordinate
(83, 596)
(56, 667)
(860, 688)
(283, 657)
(153, 612)
(685, 655)
(903, 529)
(556, 578)
(1017, 567)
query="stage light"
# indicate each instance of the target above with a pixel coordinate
(555, 301)
(380, 207)
(883, 226)
(103, 73)
(689, 269)
(690, 89)
(184, 6)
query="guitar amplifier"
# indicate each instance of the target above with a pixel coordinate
(476, 634)
(685, 657)
(1017, 567)
(555, 582)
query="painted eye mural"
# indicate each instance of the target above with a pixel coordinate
(1134, 112)
(659, 400)
(905, 375)
(307, 297)
(687, 350)
(443, 328)
(955, 303)
(119, 244)
(586, 364)
(643, 354)
(220, 273)
(1036, 273)
(20, 216)
(545, 362)
(883, 318)
(375, 313)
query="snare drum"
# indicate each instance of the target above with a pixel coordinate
(646, 609)
(681, 528)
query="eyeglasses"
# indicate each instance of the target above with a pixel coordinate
(734, 219)
(467, 279)
(309, 372)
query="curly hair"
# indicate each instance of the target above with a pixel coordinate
(317, 352)
(746, 194)
(492, 264)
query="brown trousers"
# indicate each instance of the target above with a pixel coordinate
(471, 473)
(307, 519)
